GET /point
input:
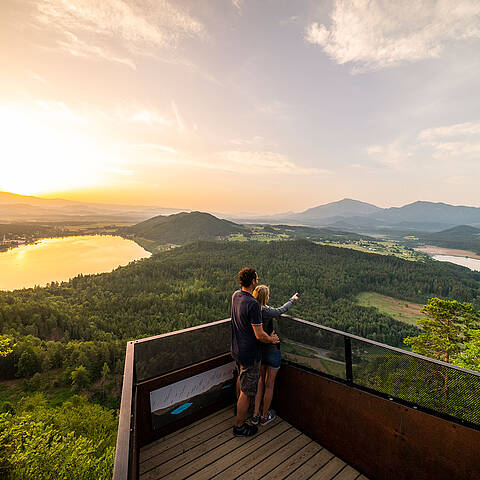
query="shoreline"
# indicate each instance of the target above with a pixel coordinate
(432, 250)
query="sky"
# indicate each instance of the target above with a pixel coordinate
(241, 106)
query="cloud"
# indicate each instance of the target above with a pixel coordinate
(78, 48)
(178, 117)
(232, 161)
(392, 155)
(133, 27)
(375, 34)
(449, 131)
(238, 5)
(266, 162)
(457, 142)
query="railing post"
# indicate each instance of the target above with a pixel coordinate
(348, 360)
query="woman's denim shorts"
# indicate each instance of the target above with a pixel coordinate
(271, 356)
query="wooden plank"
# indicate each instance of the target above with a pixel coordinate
(328, 471)
(294, 462)
(348, 473)
(259, 455)
(185, 433)
(224, 450)
(248, 447)
(187, 444)
(265, 466)
(362, 477)
(312, 465)
(200, 450)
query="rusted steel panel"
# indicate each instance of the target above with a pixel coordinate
(378, 437)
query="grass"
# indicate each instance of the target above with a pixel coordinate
(400, 310)
(381, 247)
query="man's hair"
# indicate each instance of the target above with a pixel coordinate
(246, 276)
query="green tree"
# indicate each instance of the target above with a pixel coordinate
(105, 373)
(80, 378)
(470, 356)
(445, 329)
(6, 345)
(28, 363)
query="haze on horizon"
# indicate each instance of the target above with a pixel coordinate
(242, 105)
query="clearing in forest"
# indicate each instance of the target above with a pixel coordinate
(401, 310)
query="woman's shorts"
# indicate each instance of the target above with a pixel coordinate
(272, 357)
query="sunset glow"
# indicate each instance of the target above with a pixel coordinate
(180, 104)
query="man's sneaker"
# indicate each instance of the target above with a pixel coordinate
(255, 419)
(245, 430)
(270, 417)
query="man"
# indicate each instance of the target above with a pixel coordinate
(247, 333)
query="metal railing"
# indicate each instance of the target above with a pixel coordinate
(437, 387)
(418, 381)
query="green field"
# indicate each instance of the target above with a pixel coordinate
(401, 310)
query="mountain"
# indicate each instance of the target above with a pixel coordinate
(430, 212)
(343, 208)
(418, 216)
(22, 208)
(184, 227)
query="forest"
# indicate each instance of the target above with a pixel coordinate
(71, 336)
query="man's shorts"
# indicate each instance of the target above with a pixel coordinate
(249, 376)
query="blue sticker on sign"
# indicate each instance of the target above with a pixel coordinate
(181, 408)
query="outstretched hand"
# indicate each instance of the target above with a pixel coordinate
(295, 297)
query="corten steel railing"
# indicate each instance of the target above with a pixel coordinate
(413, 380)
(420, 382)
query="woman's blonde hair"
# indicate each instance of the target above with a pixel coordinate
(261, 293)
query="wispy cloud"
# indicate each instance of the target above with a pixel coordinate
(178, 117)
(139, 28)
(76, 47)
(457, 142)
(374, 34)
(238, 5)
(392, 155)
(37, 77)
(266, 162)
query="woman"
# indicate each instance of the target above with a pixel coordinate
(271, 357)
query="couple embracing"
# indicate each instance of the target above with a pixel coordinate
(255, 349)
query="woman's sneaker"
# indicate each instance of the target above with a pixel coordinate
(245, 430)
(255, 419)
(270, 417)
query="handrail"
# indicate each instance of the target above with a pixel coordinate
(124, 446)
(184, 330)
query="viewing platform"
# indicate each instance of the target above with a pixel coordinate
(349, 408)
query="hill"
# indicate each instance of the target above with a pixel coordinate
(462, 237)
(184, 227)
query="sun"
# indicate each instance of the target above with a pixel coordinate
(38, 158)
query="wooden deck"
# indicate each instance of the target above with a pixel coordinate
(208, 450)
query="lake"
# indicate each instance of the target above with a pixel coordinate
(471, 263)
(59, 259)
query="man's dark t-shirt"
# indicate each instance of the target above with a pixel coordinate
(246, 349)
